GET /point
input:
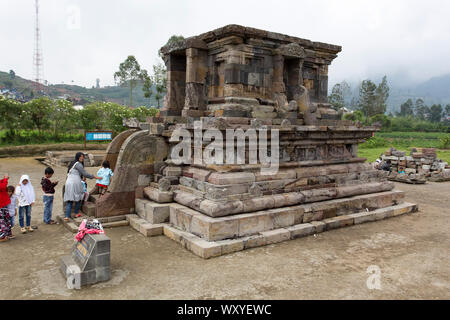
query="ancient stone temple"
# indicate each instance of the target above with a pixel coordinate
(242, 78)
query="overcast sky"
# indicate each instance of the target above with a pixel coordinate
(83, 40)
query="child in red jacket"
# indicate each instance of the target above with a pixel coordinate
(5, 219)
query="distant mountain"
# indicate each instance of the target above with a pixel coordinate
(78, 94)
(433, 91)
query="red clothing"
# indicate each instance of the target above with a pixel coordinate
(4, 197)
(48, 186)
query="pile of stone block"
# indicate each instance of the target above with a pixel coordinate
(63, 158)
(421, 163)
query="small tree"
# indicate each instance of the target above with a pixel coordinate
(447, 110)
(147, 86)
(129, 72)
(406, 109)
(367, 98)
(435, 113)
(420, 109)
(38, 112)
(381, 96)
(62, 116)
(159, 78)
(12, 116)
(339, 95)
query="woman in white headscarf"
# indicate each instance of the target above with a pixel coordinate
(26, 196)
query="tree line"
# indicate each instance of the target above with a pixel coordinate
(370, 105)
(421, 111)
(372, 98)
(57, 118)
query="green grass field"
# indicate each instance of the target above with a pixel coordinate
(403, 141)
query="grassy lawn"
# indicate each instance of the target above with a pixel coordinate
(373, 153)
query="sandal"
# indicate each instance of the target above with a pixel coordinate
(11, 237)
(52, 222)
(23, 230)
(78, 215)
(30, 229)
(4, 239)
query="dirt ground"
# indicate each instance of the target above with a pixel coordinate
(412, 253)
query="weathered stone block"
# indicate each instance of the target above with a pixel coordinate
(144, 180)
(150, 229)
(283, 217)
(250, 224)
(205, 249)
(362, 217)
(255, 241)
(301, 230)
(172, 171)
(319, 226)
(156, 212)
(157, 195)
(231, 178)
(230, 246)
(277, 235)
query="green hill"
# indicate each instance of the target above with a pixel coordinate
(78, 94)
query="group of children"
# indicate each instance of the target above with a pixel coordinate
(12, 198)
(20, 199)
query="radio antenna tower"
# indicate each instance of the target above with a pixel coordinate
(37, 57)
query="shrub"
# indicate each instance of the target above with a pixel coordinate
(445, 142)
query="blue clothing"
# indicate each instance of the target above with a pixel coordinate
(69, 208)
(48, 207)
(12, 206)
(84, 185)
(27, 210)
(106, 174)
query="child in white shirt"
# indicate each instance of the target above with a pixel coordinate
(26, 196)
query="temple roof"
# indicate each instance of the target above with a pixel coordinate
(248, 32)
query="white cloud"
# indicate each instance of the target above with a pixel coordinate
(378, 37)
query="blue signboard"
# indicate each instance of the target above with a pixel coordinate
(98, 136)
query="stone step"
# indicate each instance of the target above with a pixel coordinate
(88, 208)
(151, 211)
(69, 225)
(107, 222)
(93, 198)
(221, 208)
(158, 195)
(240, 225)
(143, 226)
(208, 249)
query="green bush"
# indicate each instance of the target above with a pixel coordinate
(44, 120)
(445, 142)
(375, 142)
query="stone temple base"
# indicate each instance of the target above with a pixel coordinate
(210, 237)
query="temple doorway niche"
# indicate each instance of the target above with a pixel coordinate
(177, 81)
(291, 77)
(311, 81)
(218, 79)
